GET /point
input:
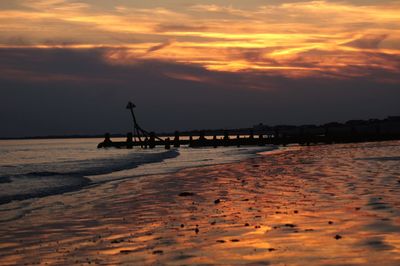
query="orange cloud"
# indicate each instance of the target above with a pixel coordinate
(293, 39)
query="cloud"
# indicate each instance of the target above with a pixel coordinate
(265, 57)
(180, 28)
(220, 37)
(74, 91)
(371, 41)
(159, 47)
(54, 5)
(219, 9)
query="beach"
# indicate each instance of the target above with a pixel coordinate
(318, 205)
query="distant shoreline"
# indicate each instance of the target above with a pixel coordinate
(390, 124)
(59, 137)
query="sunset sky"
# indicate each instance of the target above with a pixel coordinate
(69, 67)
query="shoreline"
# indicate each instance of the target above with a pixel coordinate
(271, 210)
(89, 181)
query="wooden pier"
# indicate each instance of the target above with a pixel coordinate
(302, 135)
(176, 141)
(244, 140)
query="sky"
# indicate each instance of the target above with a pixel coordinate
(70, 66)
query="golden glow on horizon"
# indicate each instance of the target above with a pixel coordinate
(294, 39)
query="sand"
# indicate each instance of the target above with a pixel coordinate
(321, 205)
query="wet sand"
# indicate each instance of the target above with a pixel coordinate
(321, 205)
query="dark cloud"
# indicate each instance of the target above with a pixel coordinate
(368, 41)
(158, 47)
(62, 91)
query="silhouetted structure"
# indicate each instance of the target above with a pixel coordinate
(167, 144)
(238, 140)
(129, 141)
(176, 140)
(107, 138)
(351, 131)
(152, 140)
(215, 141)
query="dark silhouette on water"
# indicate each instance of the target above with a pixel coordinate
(215, 141)
(167, 143)
(351, 131)
(135, 138)
(107, 138)
(152, 140)
(176, 140)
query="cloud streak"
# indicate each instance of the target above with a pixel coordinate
(217, 37)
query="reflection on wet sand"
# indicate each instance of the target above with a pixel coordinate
(322, 205)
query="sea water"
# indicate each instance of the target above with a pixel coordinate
(38, 168)
(320, 205)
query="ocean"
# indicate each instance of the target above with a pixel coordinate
(38, 168)
(72, 204)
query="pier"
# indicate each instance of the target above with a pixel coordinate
(351, 131)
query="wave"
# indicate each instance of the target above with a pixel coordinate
(58, 184)
(56, 178)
